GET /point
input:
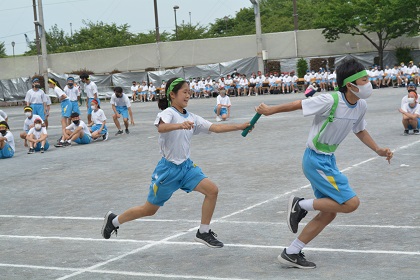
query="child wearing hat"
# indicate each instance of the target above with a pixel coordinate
(37, 138)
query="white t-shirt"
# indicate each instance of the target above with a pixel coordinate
(72, 127)
(30, 121)
(98, 117)
(152, 88)
(91, 89)
(175, 145)
(72, 93)
(346, 117)
(35, 97)
(225, 101)
(37, 133)
(59, 93)
(412, 110)
(134, 88)
(120, 102)
(9, 139)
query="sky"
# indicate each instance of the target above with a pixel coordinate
(17, 18)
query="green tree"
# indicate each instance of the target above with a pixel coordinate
(384, 19)
(2, 50)
(189, 32)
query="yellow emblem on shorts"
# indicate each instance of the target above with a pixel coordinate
(332, 182)
(155, 188)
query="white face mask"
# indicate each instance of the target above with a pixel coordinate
(364, 91)
(93, 107)
(38, 126)
(28, 114)
(410, 99)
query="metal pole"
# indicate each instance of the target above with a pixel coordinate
(190, 18)
(176, 25)
(43, 43)
(38, 47)
(258, 34)
(295, 19)
(156, 22)
(71, 29)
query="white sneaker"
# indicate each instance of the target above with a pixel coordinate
(218, 119)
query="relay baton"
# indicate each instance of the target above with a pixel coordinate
(253, 121)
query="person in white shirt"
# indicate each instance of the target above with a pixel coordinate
(73, 93)
(28, 123)
(37, 99)
(307, 78)
(152, 92)
(77, 131)
(252, 85)
(176, 170)
(144, 91)
(65, 103)
(98, 125)
(121, 107)
(229, 86)
(411, 114)
(286, 86)
(295, 79)
(7, 141)
(381, 76)
(222, 108)
(331, 187)
(134, 89)
(91, 91)
(37, 138)
(243, 85)
(387, 75)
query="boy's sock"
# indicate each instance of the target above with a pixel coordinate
(115, 222)
(204, 228)
(295, 247)
(307, 204)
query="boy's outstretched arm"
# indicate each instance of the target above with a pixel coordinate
(287, 107)
(218, 128)
(365, 137)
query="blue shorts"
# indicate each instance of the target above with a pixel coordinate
(66, 108)
(38, 109)
(326, 180)
(123, 111)
(89, 109)
(38, 146)
(7, 151)
(86, 139)
(227, 87)
(143, 92)
(96, 127)
(223, 110)
(75, 107)
(169, 177)
(410, 127)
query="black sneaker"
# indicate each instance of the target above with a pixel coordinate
(66, 144)
(119, 132)
(42, 150)
(127, 131)
(31, 151)
(59, 144)
(406, 132)
(108, 228)
(209, 239)
(295, 260)
(294, 213)
(105, 136)
(416, 132)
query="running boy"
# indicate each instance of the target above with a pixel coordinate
(331, 188)
(176, 170)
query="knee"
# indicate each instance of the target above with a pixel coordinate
(150, 211)
(326, 217)
(351, 205)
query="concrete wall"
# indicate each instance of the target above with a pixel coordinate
(310, 43)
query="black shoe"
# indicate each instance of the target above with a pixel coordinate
(66, 144)
(127, 131)
(416, 132)
(105, 136)
(209, 239)
(31, 151)
(406, 132)
(119, 132)
(42, 150)
(108, 228)
(294, 213)
(295, 260)
(59, 144)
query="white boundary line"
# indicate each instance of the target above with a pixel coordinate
(93, 268)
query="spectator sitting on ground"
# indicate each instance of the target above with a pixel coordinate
(28, 123)
(37, 138)
(7, 141)
(98, 125)
(411, 114)
(311, 90)
(222, 108)
(77, 131)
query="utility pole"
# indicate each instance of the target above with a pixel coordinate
(38, 47)
(295, 19)
(258, 34)
(43, 42)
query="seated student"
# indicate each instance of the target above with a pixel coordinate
(222, 108)
(252, 85)
(77, 131)
(286, 85)
(7, 141)
(229, 85)
(411, 114)
(307, 79)
(98, 123)
(265, 84)
(152, 92)
(37, 138)
(311, 90)
(28, 123)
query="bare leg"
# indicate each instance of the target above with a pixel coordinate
(137, 212)
(210, 191)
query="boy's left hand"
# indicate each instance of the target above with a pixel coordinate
(385, 152)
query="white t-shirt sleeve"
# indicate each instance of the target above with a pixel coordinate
(317, 105)
(201, 125)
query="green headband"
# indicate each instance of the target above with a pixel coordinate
(171, 87)
(354, 77)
